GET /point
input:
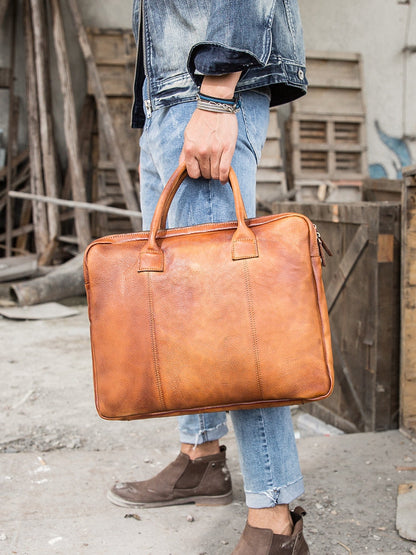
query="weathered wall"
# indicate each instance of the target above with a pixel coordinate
(378, 29)
(95, 13)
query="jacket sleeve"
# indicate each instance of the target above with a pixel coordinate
(239, 36)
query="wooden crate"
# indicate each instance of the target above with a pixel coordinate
(327, 148)
(408, 304)
(325, 133)
(362, 282)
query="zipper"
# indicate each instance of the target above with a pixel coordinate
(322, 246)
(148, 106)
(147, 103)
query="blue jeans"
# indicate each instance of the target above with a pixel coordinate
(267, 448)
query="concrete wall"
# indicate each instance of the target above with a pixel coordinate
(378, 29)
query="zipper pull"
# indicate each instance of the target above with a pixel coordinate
(148, 106)
(322, 245)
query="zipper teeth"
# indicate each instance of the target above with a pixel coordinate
(148, 102)
(144, 234)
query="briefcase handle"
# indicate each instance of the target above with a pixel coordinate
(243, 243)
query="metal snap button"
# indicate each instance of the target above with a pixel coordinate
(301, 74)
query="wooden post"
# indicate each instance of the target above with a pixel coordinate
(82, 225)
(408, 304)
(103, 109)
(45, 112)
(36, 179)
(11, 134)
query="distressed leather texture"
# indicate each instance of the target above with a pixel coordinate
(206, 318)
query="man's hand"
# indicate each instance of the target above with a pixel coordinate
(209, 144)
(210, 137)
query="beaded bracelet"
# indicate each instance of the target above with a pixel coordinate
(220, 105)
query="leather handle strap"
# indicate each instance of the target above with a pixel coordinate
(244, 243)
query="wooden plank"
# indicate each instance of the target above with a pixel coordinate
(12, 133)
(40, 223)
(382, 189)
(349, 381)
(49, 156)
(102, 106)
(408, 307)
(128, 138)
(335, 84)
(89, 206)
(406, 510)
(112, 46)
(5, 77)
(337, 73)
(82, 224)
(115, 79)
(3, 9)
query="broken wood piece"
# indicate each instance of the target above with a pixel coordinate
(16, 267)
(406, 511)
(73, 204)
(123, 175)
(76, 173)
(66, 281)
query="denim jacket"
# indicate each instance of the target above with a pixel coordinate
(179, 41)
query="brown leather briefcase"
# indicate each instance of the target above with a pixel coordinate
(206, 318)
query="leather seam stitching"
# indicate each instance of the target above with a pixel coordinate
(155, 354)
(253, 329)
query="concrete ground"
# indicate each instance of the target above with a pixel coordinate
(57, 459)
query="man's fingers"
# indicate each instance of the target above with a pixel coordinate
(225, 165)
(192, 167)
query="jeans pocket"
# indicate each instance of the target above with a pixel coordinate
(255, 111)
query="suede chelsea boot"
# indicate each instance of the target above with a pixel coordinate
(262, 541)
(204, 481)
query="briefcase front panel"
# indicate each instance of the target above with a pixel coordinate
(208, 332)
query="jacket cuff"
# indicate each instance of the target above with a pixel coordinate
(216, 59)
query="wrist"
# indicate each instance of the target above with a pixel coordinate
(220, 86)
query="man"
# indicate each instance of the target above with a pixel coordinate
(206, 75)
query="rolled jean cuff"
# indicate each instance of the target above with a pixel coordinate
(203, 435)
(275, 496)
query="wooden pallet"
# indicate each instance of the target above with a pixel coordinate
(325, 134)
(115, 55)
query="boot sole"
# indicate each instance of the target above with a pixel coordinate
(201, 500)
